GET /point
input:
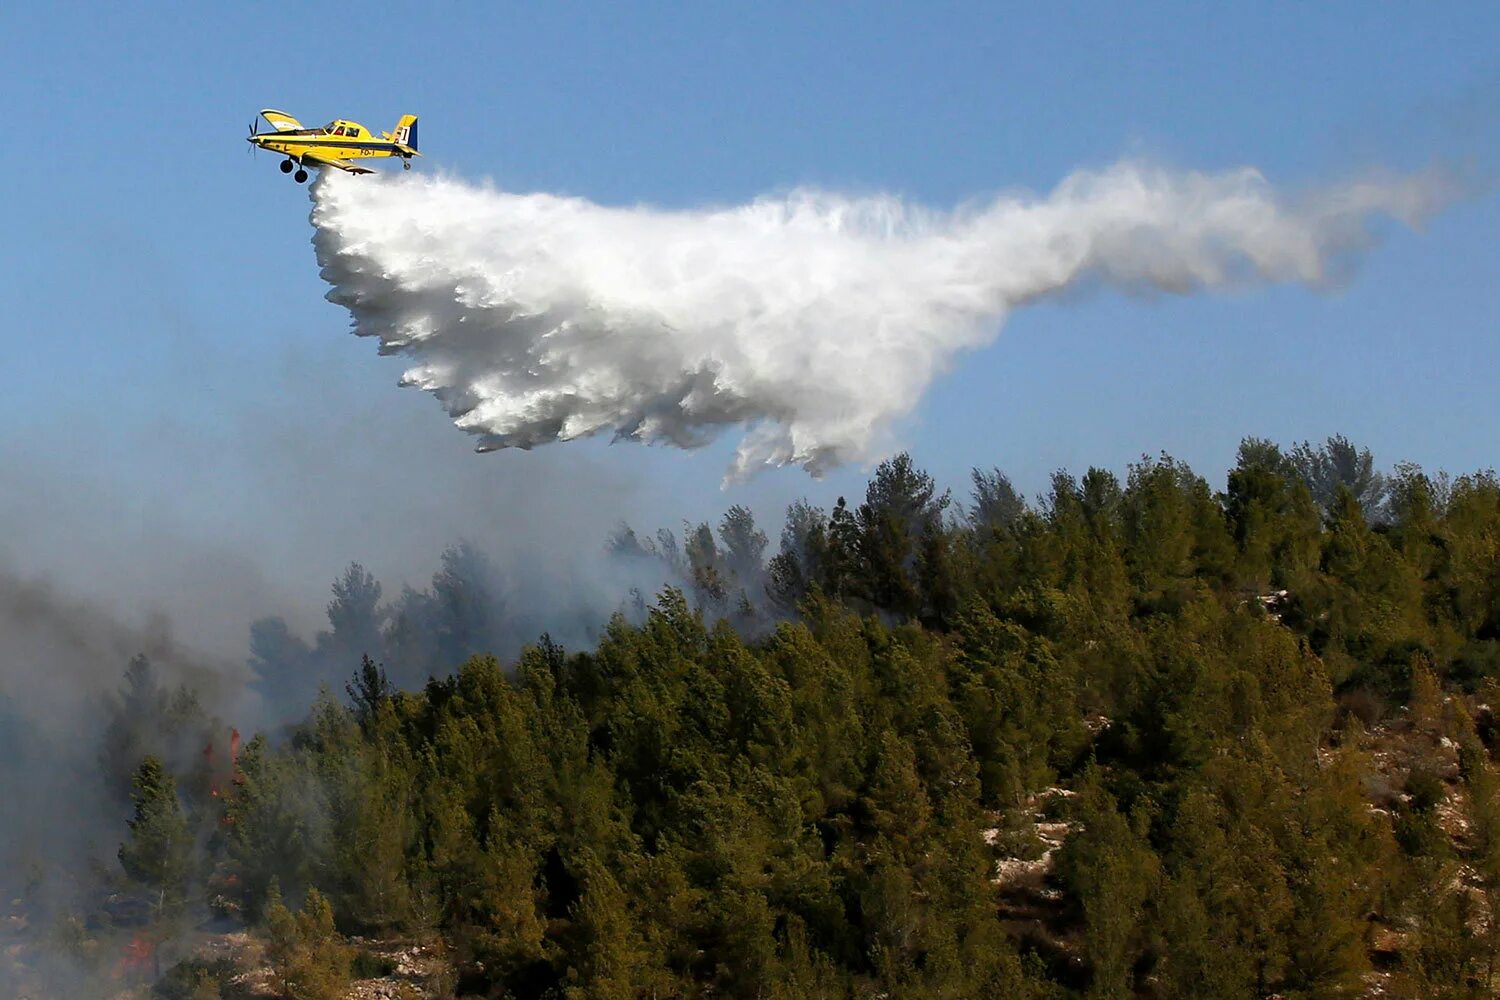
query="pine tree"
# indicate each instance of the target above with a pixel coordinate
(1336, 465)
(286, 671)
(901, 503)
(1113, 872)
(356, 620)
(744, 548)
(369, 689)
(308, 956)
(995, 506)
(157, 855)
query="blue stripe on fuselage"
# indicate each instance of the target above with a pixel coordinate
(328, 143)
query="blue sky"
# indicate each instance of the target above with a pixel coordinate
(174, 371)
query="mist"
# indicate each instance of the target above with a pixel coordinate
(812, 320)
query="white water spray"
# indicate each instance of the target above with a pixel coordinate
(813, 319)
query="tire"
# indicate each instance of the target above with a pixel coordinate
(286, 166)
(300, 176)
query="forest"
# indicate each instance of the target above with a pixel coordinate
(1140, 738)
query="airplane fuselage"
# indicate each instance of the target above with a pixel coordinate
(352, 144)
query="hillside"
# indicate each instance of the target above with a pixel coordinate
(1139, 739)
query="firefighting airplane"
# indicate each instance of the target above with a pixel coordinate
(333, 145)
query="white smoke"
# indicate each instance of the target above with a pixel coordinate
(814, 319)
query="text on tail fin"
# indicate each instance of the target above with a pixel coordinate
(406, 131)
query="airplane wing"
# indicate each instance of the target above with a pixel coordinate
(317, 159)
(280, 120)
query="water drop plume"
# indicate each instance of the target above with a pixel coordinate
(813, 320)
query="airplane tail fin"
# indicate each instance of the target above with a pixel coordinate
(405, 133)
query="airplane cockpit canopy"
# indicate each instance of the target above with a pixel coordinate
(337, 127)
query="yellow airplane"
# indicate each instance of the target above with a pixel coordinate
(333, 145)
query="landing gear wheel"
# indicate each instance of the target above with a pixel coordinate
(286, 166)
(300, 176)
(405, 164)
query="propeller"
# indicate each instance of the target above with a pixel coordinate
(253, 133)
